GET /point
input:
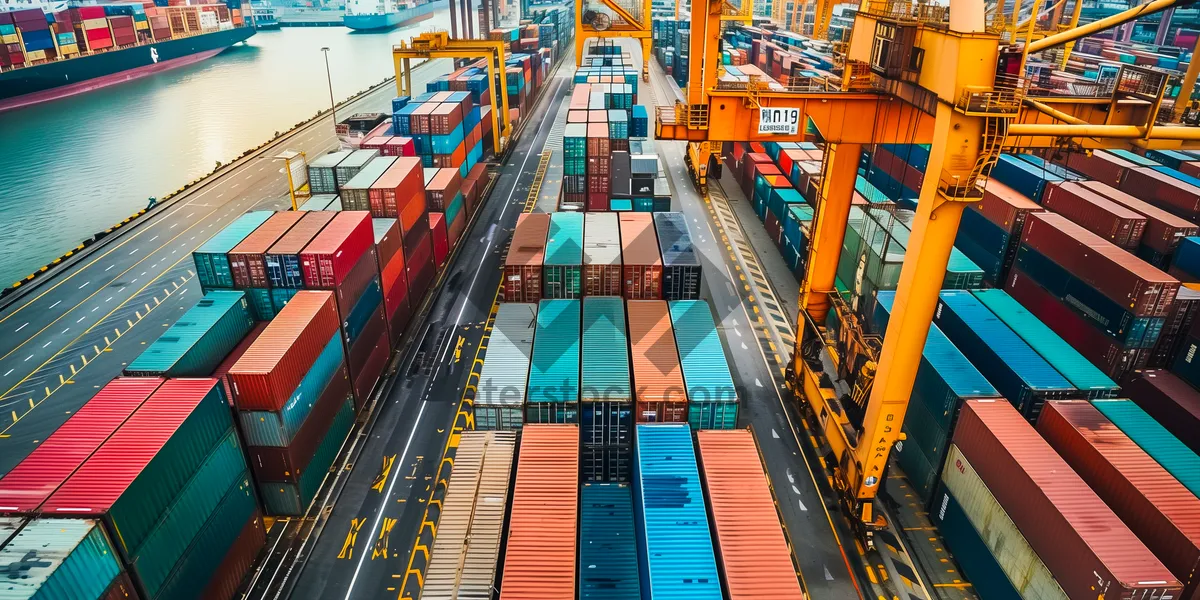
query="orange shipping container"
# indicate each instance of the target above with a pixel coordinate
(523, 266)
(657, 377)
(754, 555)
(639, 253)
(539, 561)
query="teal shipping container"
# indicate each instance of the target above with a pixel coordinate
(197, 343)
(1179, 460)
(212, 258)
(56, 559)
(553, 393)
(712, 397)
(276, 428)
(608, 563)
(606, 412)
(562, 269)
(969, 550)
(1089, 380)
(289, 499)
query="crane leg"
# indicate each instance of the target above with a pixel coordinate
(837, 191)
(646, 43)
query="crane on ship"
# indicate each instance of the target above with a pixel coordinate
(914, 73)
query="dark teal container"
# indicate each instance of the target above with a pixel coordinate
(288, 499)
(197, 343)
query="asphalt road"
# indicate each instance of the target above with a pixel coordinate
(79, 328)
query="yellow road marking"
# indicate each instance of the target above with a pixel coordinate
(347, 552)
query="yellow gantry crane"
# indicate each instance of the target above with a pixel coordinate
(914, 74)
(440, 45)
(597, 21)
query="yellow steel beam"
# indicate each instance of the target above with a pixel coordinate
(1074, 23)
(1088, 130)
(624, 14)
(829, 228)
(1122, 17)
(1189, 83)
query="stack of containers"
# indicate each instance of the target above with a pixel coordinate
(642, 264)
(562, 271)
(712, 397)
(681, 263)
(389, 251)
(657, 376)
(675, 548)
(602, 268)
(342, 258)
(990, 231)
(1170, 401)
(170, 487)
(345, 170)
(356, 193)
(575, 162)
(321, 172)
(1118, 224)
(62, 554)
(10, 46)
(608, 562)
(439, 237)
(599, 159)
(444, 195)
(248, 262)
(284, 266)
(212, 258)
(606, 414)
(1022, 176)
(36, 35)
(542, 543)
(1163, 232)
(195, 345)
(552, 395)
(526, 252)
(505, 375)
(294, 403)
(1153, 439)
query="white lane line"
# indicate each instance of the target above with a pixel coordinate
(85, 284)
(27, 358)
(48, 343)
(189, 215)
(66, 330)
(173, 226)
(9, 372)
(109, 268)
(774, 434)
(22, 327)
(744, 346)
(56, 304)
(153, 238)
(81, 319)
(109, 299)
(739, 333)
(131, 252)
(135, 281)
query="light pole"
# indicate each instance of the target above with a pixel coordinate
(329, 78)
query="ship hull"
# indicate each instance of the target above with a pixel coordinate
(60, 79)
(389, 20)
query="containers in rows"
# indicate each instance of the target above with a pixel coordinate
(1164, 188)
(197, 343)
(1163, 231)
(247, 260)
(659, 390)
(212, 258)
(562, 270)
(552, 395)
(526, 252)
(1170, 453)
(348, 167)
(602, 267)
(1109, 220)
(389, 251)
(642, 271)
(712, 396)
(608, 559)
(990, 230)
(283, 258)
(606, 409)
(356, 194)
(1169, 400)
(1023, 176)
(681, 263)
(504, 377)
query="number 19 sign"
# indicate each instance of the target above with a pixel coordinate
(779, 120)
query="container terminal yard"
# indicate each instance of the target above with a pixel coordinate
(628, 301)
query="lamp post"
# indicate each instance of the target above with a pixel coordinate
(329, 79)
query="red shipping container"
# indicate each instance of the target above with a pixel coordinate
(444, 118)
(330, 256)
(289, 463)
(596, 202)
(1103, 217)
(396, 187)
(419, 269)
(1159, 510)
(441, 243)
(389, 245)
(356, 282)
(1086, 547)
(1191, 168)
(1101, 166)
(1163, 230)
(375, 143)
(470, 192)
(1120, 276)
(397, 309)
(420, 118)
(52, 462)
(267, 374)
(598, 143)
(1169, 400)
(523, 265)
(248, 260)
(227, 578)
(788, 158)
(599, 184)
(1005, 206)
(222, 370)
(293, 242)
(442, 189)
(399, 146)
(642, 264)
(455, 230)
(599, 165)
(1163, 191)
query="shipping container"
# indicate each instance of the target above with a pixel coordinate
(333, 253)
(465, 554)
(562, 271)
(1023, 176)
(681, 263)
(712, 396)
(319, 202)
(288, 462)
(1102, 166)
(285, 498)
(233, 568)
(1099, 215)
(248, 260)
(212, 258)
(1155, 440)
(58, 558)
(321, 176)
(196, 344)
(1015, 369)
(675, 548)
(1087, 547)
(1163, 230)
(608, 559)
(1161, 189)
(24, 488)
(1156, 507)
(755, 558)
(1166, 398)
(526, 252)
(504, 378)
(602, 272)
(283, 259)
(606, 415)
(657, 376)
(542, 543)
(277, 427)
(399, 192)
(553, 392)
(642, 273)
(349, 166)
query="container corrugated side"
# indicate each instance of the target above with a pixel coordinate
(60, 559)
(292, 499)
(283, 258)
(755, 556)
(642, 274)
(712, 396)
(542, 544)
(196, 344)
(657, 376)
(276, 428)
(505, 375)
(1155, 440)
(601, 255)
(321, 176)
(681, 262)
(675, 548)
(248, 260)
(1065, 359)
(608, 563)
(605, 374)
(39, 474)
(553, 392)
(355, 192)
(526, 252)
(228, 575)
(472, 517)
(212, 258)
(1155, 506)
(1165, 397)
(562, 270)
(1023, 568)
(1085, 545)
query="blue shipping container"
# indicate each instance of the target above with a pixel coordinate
(1023, 177)
(608, 560)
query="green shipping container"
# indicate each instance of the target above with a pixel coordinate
(605, 351)
(288, 499)
(56, 559)
(212, 260)
(712, 397)
(197, 343)
(1166, 449)
(562, 269)
(553, 393)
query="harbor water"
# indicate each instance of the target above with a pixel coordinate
(76, 166)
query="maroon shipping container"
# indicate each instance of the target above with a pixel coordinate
(396, 187)
(642, 264)
(1148, 499)
(388, 243)
(1005, 206)
(444, 118)
(753, 165)
(248, 260)
(1099, 215)
(265, 376)
(222, 370)
(374, 346)
(442, 188)
(299, 236)
(356, 282)
(420, 119)
(1163, 191)
(598, 143)
(1163, 231)
(441, 238)
(1117, 274)
(523, 265)
(1170, 400)
(1087, 548)
(1101, 166)
(38, 475)
(334, 252)
(228, 576)
(1191, 168)
(599, 184)
(599, 165)
(399, 146)
(1175, 328)
(470, 192)
(419, 270)
(397, 309)
(287, 464)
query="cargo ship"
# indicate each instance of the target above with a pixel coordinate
(50, 55)
(381, 15)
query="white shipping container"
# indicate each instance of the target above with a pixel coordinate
(500, 393)
(601, 239)
(208, 20)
